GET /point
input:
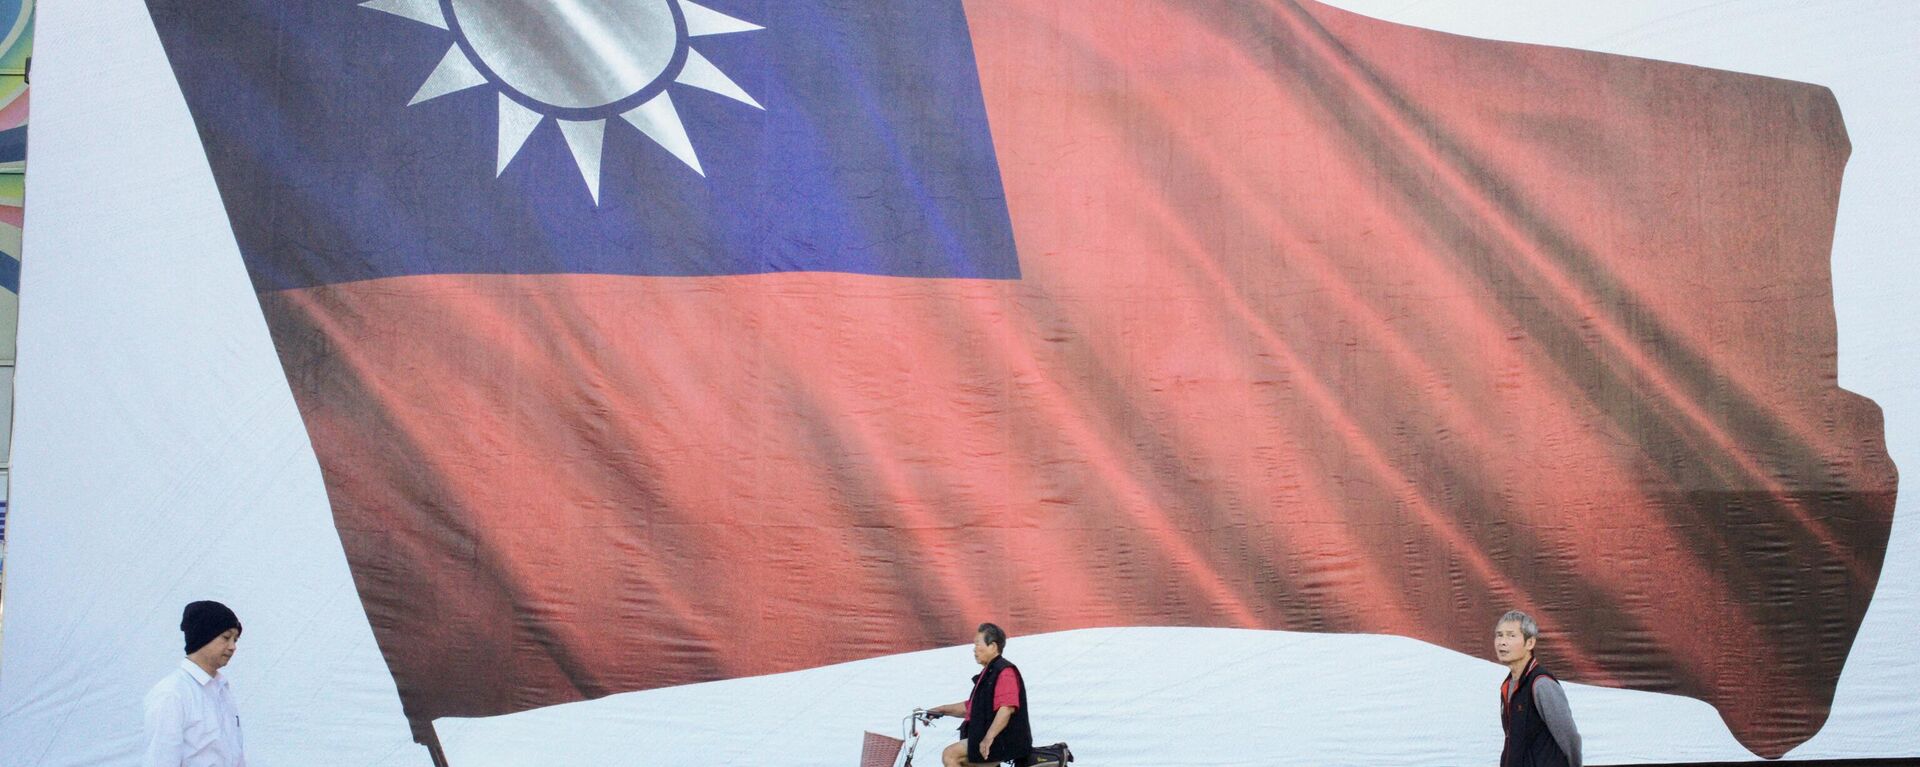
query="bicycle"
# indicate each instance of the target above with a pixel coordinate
(883, 751)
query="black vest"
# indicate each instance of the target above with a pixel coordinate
(1014, 742)
(1529, 743)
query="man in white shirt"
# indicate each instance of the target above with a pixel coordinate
(191, 718)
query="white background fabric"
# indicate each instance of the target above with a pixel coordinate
(159, 459)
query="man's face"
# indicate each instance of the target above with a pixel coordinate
(219, 652)
(1508, 643)
(984, 653)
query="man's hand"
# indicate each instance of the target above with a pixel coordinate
(955, 710)
(986, 747)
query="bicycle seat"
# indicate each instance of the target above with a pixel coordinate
(1056, 755)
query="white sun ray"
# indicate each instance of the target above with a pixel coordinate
(701, 73)
(702, 21)
(585, 139)
(423, 11)
(455, 73)
(661, 122)
(516, 124)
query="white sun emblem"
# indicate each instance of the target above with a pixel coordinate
(579, 62)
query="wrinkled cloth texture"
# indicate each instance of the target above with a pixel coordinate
(1255, 315)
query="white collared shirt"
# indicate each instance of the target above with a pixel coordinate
(192, 722)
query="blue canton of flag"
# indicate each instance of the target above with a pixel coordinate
(662, 137)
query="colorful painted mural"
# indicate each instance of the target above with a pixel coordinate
(16, 54)
(16, 51)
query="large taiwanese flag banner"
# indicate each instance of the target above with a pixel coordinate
(650, 342)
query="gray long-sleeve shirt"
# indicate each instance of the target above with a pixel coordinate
(1551, 701)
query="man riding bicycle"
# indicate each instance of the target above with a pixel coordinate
(994, 727)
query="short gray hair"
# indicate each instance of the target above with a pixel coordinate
(992, 635)
(1528, 629)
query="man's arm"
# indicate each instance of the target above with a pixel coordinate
(1000, 719)
(1551, 701)
(166, 731)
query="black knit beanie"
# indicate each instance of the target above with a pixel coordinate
(202, 621)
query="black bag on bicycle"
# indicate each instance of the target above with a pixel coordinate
(1056, 755)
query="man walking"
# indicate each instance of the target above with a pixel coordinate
(995, 728)
(1533, 708)
(191, 718)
